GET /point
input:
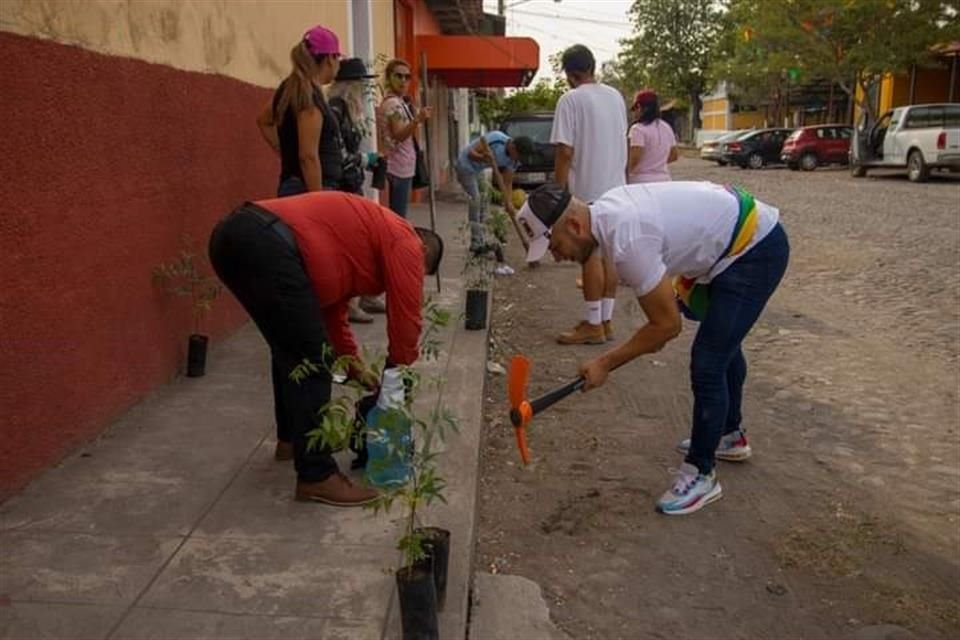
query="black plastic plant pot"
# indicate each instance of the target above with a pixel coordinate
(197, 356)
(476, 309)
(436, 542)
(418, 602)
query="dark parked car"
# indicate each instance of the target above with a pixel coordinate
(756, 148)
(537, 168)
(809, 147)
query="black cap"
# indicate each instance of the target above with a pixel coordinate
(543, 208)
(524, 145)
(548, 202)
(352, 69)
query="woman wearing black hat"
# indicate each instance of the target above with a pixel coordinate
(346, 99)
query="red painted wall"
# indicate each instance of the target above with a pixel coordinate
(106, 161)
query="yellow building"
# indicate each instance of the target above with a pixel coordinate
(937, 82)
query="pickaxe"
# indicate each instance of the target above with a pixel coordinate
(523, 410)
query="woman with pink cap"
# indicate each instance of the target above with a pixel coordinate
(652, 143)
(299, 125)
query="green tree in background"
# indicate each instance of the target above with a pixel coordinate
(542, 96)
(671, 48)
(851, 43)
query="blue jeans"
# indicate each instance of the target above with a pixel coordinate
(468, 180)
(717, 366)
(399, 194)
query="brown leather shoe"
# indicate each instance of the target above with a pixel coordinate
(283, 451)
(608, 330)
(372, 304)
(583, 333)
(337, 490)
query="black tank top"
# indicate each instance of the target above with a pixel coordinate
(330, 147)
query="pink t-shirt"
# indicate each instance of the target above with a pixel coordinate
(656, 139)
(401, 156)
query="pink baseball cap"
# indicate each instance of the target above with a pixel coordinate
(321, 41)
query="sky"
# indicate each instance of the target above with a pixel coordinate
(598, 24)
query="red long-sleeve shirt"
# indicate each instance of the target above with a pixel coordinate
(351, 247)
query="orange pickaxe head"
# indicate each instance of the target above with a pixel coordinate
(523, 410)
(520, 410)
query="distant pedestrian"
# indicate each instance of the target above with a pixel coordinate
(589, 129)
(653, 144)
(399, 120)
(298, 124)
(502, 154)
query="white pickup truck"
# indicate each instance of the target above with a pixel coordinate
(919, 138)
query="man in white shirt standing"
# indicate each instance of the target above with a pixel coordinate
(720, 251)
(590, 132)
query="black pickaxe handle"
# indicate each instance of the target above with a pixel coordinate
(548, 399)
(552, 397)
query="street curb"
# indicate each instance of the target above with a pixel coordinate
(507, 607)
(462, 365)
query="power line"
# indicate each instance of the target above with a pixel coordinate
(526, 26)
(571, 18)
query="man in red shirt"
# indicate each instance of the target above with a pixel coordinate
(294, 264)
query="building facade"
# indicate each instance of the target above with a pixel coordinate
(128, 124)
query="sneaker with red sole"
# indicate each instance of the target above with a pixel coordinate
(733, 447)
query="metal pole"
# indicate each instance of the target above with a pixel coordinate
(424, 101)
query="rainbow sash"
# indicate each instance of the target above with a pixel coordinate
(693, 297)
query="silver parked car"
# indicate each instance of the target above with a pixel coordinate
(710, 150)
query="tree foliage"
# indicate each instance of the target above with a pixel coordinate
(671, 47)
(847, 42)
(542, 96)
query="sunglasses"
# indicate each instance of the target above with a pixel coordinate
(402, 76)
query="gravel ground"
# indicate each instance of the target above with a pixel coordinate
(847, 515)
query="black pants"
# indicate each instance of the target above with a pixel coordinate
(255, 256)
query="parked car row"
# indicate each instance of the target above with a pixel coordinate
(919, 138)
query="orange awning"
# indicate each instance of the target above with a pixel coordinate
(481, 61)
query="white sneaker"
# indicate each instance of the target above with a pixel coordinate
(691, 491)
(733, 447)
(504, 270)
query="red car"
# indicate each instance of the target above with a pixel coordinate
(809, 147)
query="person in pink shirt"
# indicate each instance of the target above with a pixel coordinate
(399, 120)
(652, 142)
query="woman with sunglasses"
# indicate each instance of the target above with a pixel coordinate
(400, 121)
(299, 125)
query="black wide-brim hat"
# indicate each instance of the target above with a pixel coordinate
(353, 69)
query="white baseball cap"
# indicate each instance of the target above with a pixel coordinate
(538, 214)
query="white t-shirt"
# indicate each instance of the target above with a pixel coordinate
(593, 120)
(671, 228)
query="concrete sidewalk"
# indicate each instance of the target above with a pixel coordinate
(178, 523)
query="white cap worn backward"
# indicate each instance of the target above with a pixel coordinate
(538, 214)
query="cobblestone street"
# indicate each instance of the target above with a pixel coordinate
(847, 516)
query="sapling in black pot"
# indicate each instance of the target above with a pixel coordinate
(422, 577)
(183, 277)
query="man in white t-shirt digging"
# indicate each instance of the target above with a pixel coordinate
(719, 253)
(590, 133)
